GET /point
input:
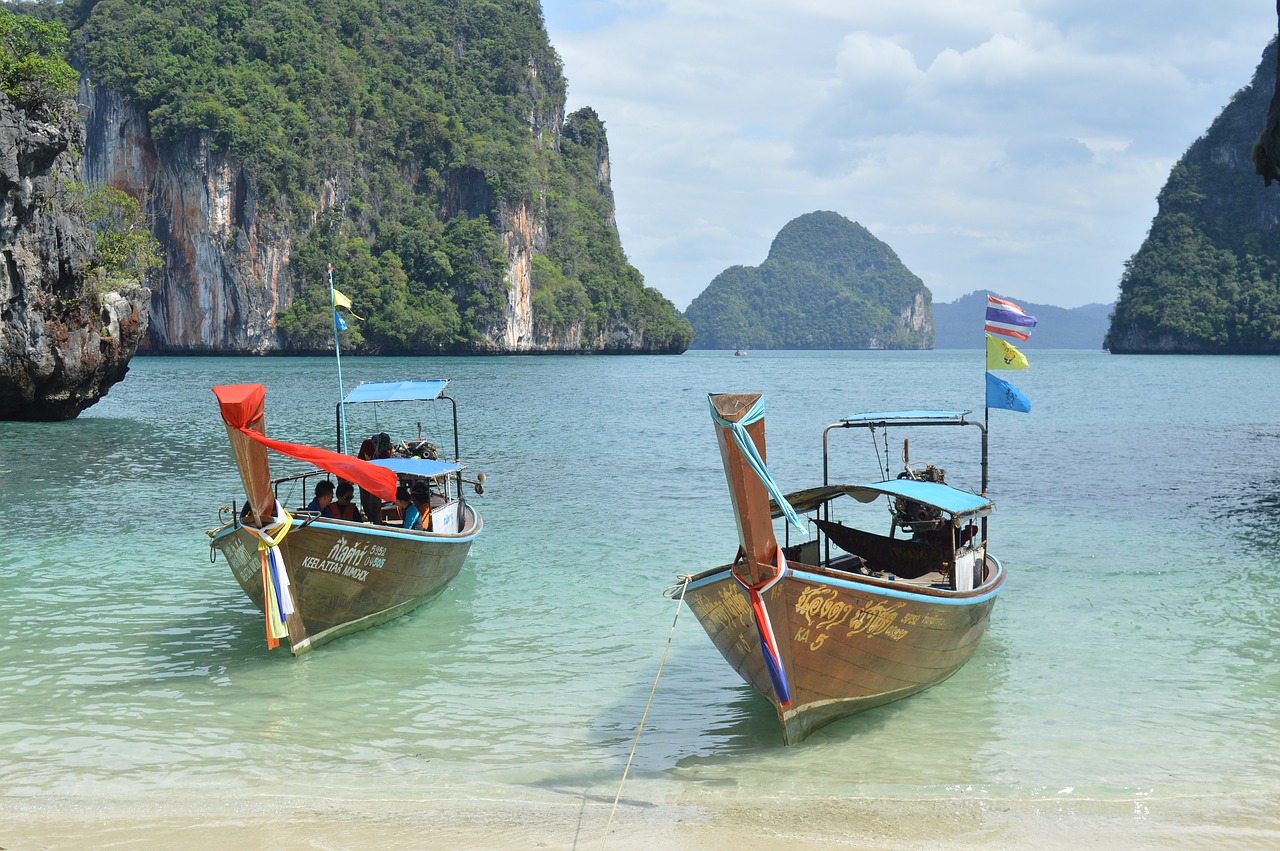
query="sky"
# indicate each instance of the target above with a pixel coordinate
(1008, 145)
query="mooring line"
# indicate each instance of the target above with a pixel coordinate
(670, 593)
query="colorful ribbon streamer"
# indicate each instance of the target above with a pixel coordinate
(768, 645)
(277, 601)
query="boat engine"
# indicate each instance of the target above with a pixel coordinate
(910, 514)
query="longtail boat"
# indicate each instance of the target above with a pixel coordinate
(846, 619)
(315, 577)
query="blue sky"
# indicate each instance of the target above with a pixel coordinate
(1011, 145)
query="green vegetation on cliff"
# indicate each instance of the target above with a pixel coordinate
(437, 120)
(826, 284)
(1207, 277)
(32, 71)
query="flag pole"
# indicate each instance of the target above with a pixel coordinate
(986, 415)
(337, 354)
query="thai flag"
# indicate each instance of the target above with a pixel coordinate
(1005, 317)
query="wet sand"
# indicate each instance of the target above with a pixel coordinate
(716, 821)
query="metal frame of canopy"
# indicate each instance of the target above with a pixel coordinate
(904, 419)
(411, 390)
(415, 390)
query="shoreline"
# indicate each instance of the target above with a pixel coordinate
(699, 820)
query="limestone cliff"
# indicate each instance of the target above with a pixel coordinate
(226, 255)
(63, 342)
(421, 147)
(1266, 153)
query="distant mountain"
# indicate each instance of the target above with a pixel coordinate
(826, 284)
(1206, 280)
(958, 324)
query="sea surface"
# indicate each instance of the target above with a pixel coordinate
(1130, 678)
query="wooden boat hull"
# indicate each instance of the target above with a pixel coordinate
(847, 643)
(345, 577)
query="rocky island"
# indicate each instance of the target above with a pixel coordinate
(72, 313)
(826, 284)
(1207, 278)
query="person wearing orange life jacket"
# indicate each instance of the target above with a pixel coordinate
(343, 508)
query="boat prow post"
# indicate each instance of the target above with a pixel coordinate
(739, 418)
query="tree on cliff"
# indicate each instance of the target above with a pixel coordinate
(826, 284)
(32, 71)
(434, 123)
(1207, 278)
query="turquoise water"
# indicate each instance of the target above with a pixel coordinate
(1132, 657)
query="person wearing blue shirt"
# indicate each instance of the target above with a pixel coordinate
(421, 495)
(324, 496)
(408, 511)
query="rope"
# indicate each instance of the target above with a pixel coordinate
(675, 592)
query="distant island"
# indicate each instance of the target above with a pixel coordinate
(958, 323)
(1207, 278)
(827, 283)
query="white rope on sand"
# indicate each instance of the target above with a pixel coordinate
(669, 593)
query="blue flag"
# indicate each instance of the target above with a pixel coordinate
(1002, 394)
(339, 323)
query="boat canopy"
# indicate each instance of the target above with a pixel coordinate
(889, 418)
(397, 391)
(940, 496)
(417, 466)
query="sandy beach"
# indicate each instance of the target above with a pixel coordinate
(718, 821)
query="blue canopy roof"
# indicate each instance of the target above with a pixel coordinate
(937, 495)
(397, 391)
(417, 466)
(901, 417)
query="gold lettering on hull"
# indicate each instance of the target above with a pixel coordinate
(729, 608)
(825, 611)
(875, 619)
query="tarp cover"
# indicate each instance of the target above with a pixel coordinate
(397, 391)
(417, 466)
(894, 417)
(242, 404)
(940, 496)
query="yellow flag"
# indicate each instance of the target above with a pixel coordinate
(1002, 355)
(339, 300)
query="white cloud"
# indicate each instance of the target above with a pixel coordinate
(1011, 144)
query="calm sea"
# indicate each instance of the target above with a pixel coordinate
(1131, 662)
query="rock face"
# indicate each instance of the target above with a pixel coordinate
(1266, 153)
(226, 273)
(225, 256)
(62, 343)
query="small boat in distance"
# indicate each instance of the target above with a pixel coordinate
(847, 619)
(740, 353)
(315, 577)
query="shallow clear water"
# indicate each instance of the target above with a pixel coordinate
(1132, 654)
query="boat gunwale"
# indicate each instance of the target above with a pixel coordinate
(304, 520)
(873, 584)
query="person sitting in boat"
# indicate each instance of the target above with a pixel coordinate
(324, 496)
(404, 505)
(421, 495)
(378, 446)
(342, 508)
